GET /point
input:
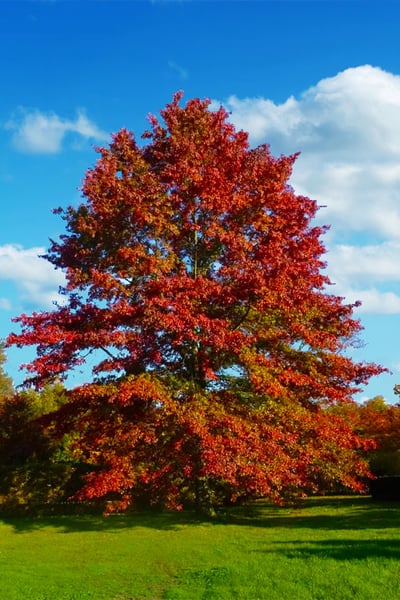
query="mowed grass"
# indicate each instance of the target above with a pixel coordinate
(331, 548)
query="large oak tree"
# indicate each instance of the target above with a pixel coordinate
(195, 282)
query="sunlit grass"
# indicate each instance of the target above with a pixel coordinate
(333, 548)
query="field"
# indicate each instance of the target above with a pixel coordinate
(331, 548)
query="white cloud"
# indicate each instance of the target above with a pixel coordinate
(373, 301)
(36, 279)
(347, 128)
(357, 104)
(5, 304)
(181, 71)
(357, 270)
(40, 133)
(362, 263)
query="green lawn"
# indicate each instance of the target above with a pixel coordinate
(332, 548)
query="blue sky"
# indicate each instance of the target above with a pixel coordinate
(319, 77)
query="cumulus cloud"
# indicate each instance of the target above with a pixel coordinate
(357, 270)
(40, 133)
(361, 263)
(347, 128)
(358, 104)
(373, 300)
(36, 279)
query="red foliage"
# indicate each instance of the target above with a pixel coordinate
(194, 268)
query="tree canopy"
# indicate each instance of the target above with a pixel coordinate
(6, 383)
(195, 282)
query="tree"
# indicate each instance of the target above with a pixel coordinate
(380, 421)
(6, 383)
(22, 437)
(36, 467)
(194, 269)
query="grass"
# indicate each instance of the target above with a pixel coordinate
(332, 548)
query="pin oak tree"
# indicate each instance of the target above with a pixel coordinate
(195, 280)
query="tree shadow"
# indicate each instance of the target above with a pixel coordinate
(344, 513)
(328, 513)
(344, 549)
(73, 523)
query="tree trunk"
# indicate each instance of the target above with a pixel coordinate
(203, 500)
